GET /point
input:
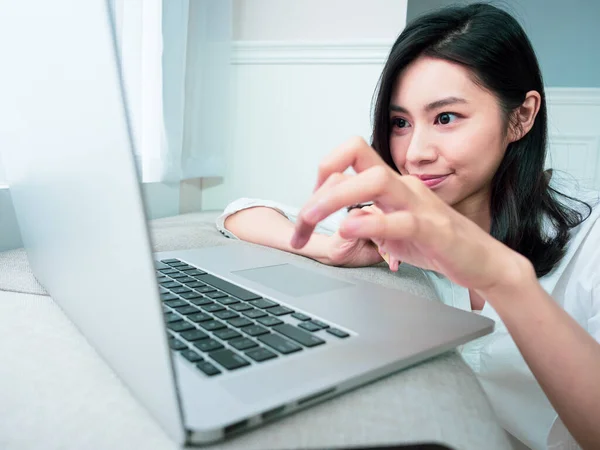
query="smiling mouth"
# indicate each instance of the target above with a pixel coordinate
(432, 180)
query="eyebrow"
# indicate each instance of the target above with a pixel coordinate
(431, 106)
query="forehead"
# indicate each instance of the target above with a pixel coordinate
(428, 79)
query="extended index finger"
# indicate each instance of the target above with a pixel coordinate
(355, 153)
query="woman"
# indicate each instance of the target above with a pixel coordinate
(456, 175)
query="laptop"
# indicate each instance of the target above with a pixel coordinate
(212, 341)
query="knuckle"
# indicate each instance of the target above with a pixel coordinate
(357, 142)
(380, 176)
(441, 222)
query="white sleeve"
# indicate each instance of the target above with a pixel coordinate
(327, 226)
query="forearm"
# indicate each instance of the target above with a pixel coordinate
(265, 226)
(564, 358)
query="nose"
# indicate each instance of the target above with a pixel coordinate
(421, 150)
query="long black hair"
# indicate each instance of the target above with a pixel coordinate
(492, 45)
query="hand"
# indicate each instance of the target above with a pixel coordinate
(415, 225)
(353, 252)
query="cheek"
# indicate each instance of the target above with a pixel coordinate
(398, 147)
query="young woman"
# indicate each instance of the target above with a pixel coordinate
(456, 173)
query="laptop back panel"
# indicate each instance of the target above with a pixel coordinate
(67, 152)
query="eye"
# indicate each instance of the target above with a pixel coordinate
(446, 118)
(399, 122)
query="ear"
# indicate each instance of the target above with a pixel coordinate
(524, 116)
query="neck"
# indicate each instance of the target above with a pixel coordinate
(477, 208)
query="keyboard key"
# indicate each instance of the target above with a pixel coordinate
(176, 344)
(240, 322)
(242, 343)
(195, 284)
(186, 280)
(263, 303)
(187, 309)
(241, 307)
(216, 294)
(170, 284)
(212, 325)
(162, 279)
(208, 345)
(172, 317)
(185, 267)
(180, 290)
(298, 335)
(208, 368)
(320, 323)
(227, 300)
(309, 326)
(254, 330)
(269, 321)
(190, 268)
(227, 334)
(254, 313)
(169, 261)
(279, 343)
(261, 354)
(337, 332)
(201, 301)
(191, 295)
(168, 271)
(205, 289)
(213, 308)
(178, 275)
(168, 296)
(194, 272)
(228, 287)
(199, 317)
(191, 355)
(193, 335)
(162, 290)
(279, 310)
(159, 265)
(226, 315)
(229, 359)
(180, 326)
(177, 264)
(175, 303)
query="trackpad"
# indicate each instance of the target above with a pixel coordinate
(292, 280)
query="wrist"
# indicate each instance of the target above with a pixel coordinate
(515, 277)
(316, 248)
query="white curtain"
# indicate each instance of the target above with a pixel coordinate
(175, 57)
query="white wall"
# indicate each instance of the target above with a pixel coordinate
(330, 20)
(287, 118)
(573, 132)
(304, 75)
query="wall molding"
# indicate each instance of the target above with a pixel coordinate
(573, 96)
(363, 52)
(310, 52)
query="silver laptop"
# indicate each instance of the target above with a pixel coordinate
(212, 341)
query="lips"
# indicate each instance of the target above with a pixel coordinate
(432, 180)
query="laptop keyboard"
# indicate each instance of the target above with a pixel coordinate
(220, 326)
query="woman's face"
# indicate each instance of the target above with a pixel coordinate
(448, 131)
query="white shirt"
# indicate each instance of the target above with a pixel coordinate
(519, 402)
